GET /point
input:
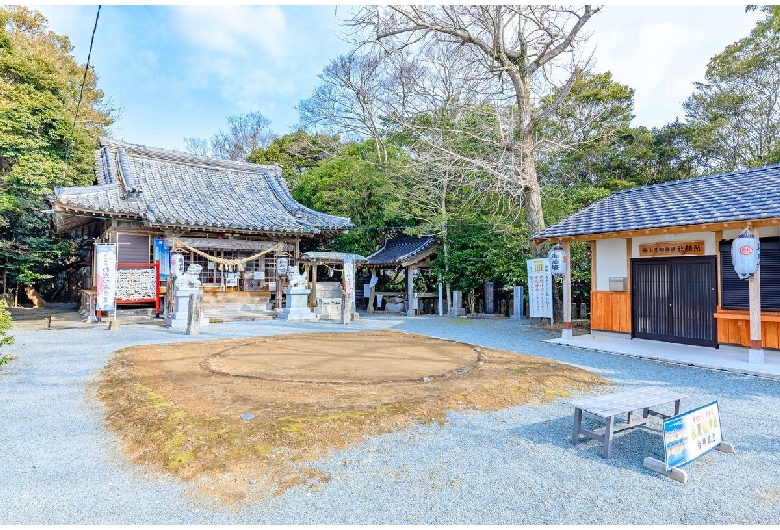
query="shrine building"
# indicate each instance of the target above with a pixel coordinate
(662, 265)
(235, 219)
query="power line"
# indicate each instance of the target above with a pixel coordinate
(69, 146)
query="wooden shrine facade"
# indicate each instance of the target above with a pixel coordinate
(661, 264)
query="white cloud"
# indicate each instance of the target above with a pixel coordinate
(239, 31)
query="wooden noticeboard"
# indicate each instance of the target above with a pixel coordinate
(672, 248)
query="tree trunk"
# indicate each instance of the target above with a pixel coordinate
(34, 297)
(73, 284)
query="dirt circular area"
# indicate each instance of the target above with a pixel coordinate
(182, 408)
(345, 358)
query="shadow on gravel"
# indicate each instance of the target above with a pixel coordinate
(629, 448)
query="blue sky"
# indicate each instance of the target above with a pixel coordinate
(179, 70)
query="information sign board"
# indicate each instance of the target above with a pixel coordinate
(163, 255)
(349, 279)
(690, 435)
(540, 288)
(105, 277)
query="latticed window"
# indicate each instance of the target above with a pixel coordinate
(736, 291)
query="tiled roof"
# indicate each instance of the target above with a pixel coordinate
(330, 257)
(401, 250)
(169, 188)
(737, 196)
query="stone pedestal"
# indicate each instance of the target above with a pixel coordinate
(178, 318)
(194, 314)
(517, 303)
(756, 356)
(457, 309)
(296, 305)
(412, 306)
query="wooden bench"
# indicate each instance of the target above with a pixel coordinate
(610, 405)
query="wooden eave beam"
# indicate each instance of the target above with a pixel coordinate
(702, 227)
(420, 257)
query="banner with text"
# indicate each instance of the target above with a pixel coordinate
(349, 280)
(540, 288)
(163, 255)
(689, 435)
(105, 277)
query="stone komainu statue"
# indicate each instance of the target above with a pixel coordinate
(190, 279)
(296, 279)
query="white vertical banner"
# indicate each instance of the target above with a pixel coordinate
(540, 288)
(105, 277)
(349, 279)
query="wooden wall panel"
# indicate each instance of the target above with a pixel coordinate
(769, 335)
(610, 311)
(734, 328)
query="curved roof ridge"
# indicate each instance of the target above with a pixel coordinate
(181, 157)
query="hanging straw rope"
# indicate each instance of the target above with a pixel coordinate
(237, 263)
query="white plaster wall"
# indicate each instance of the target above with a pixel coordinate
(710, 245)
(611, 260)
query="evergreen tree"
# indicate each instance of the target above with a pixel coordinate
(42, 144)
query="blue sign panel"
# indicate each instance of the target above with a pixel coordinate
(163, 255)
(690, 435)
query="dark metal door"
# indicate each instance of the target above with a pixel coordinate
(674, 299)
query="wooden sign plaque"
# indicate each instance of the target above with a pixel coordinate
(672, 248)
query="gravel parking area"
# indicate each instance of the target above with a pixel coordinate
(515, 466)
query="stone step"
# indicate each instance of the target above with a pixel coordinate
(239, 307)
(238, 316)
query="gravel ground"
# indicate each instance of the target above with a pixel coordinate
(60, 466)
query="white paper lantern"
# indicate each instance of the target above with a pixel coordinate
(558, 261)
(745, 252)
(177, 264)
(281, 266)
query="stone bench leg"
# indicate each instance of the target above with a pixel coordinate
(608, 437)
(575, 436)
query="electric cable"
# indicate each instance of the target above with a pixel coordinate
(69, 145)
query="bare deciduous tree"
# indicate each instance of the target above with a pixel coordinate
(522, 48)
(246, 133)
(347, 100)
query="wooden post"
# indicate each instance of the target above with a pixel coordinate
(372, 292)
(718, 267)
(409, 291)
(625, 311)
(313, 293)
(593, 283)
(756, 351)
(566, 333)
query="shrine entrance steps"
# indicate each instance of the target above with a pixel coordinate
(232, 306)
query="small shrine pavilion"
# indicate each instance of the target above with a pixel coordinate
(412, 253)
